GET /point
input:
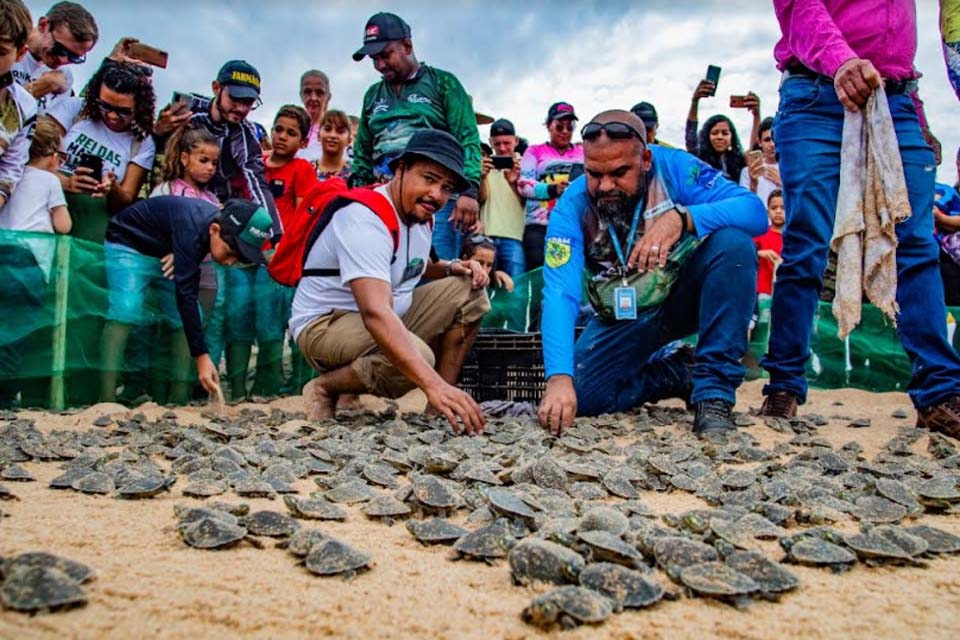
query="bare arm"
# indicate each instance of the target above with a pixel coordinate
(60, 217)
(123, 195)
(946, 223)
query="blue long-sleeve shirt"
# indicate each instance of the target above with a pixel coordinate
(158, 226)
(713, 201)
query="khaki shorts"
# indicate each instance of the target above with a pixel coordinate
(340, 338)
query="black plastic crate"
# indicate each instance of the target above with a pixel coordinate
(505, 366)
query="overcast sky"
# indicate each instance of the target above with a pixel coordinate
(514, 58)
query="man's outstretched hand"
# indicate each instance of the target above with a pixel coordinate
(558, 407)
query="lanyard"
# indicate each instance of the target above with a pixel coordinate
(630, 237)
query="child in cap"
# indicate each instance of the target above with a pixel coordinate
(189, 229)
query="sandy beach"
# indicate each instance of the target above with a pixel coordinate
(150, 584)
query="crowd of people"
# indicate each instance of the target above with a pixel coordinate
(254, 236)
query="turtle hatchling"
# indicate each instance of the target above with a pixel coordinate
(938, 540)
(568, 607)
(332, 557)
(385, 507)
(771, 577)
(606, 547)
(626, 588)
(76, 570)
(269, 523)
(313, 508)
(487, 544)
(816, 552)
(212, 533)
(604, 518)
(39, 588)
(544, 561)
(145, 487)
(302, 541)
(435, 531)
(717, 580)
(673, 553)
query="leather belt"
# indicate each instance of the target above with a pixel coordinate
(892, 87)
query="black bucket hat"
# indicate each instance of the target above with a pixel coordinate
(440, 147)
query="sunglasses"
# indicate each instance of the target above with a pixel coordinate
(480, 239)
(60, 51)
(564, 125)
(614, 131)
(121, 112)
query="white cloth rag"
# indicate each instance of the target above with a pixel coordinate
(872, 200)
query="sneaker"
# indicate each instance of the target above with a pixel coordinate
(675, 368)
(779, 404)
(943, 418)
(713, 416)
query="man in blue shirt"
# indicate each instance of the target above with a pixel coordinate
(682, 203)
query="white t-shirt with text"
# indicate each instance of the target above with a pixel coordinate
(29, 69)
(87, 136)
(358, 244)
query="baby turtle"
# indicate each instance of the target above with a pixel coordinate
(814, 551)
(874, 549)
(543, 561)
(381, 474)
(938, 540)
(606, 547)
(302, 541)
(732, 533)
(435, 531)
(898, 492)
(313, 508)
(16, 473)
(912, 544)
(507, 504)
(604, 518)
(38, 588)
(626, 588)
(717, 580)
(76, 570)
(205, 489)
(333, 557)
(350, 492)
(254, 488)
(877, 510)
(65, 480)
(145, 487)
(94, 483)
(771, 577)
(433, 495)
(212, 533)
(385, 507)
(673, 553)
(269, 523)
(488, 543)
(939, 492)
(547, 473)
(569, 607)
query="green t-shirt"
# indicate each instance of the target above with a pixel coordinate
(502, 214)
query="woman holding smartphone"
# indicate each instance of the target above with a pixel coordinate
(109, 150)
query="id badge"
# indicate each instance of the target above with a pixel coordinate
(625, 303)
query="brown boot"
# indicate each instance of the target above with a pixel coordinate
(779, 404)
(943, 418)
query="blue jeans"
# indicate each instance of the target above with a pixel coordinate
(446, 239)
(510, 257)
(808, 130)
(616, 362)
(131, 276)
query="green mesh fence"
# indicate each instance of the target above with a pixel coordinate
(54, 298)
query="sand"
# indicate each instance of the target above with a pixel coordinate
(149, 584)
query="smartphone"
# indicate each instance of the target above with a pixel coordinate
(6, 79)
(502, 162)
(148, 54)
(276, 187)
(753, 155)
(738, 102)
(576, 170)
(713, 75)
(92, 162)
(197, 104)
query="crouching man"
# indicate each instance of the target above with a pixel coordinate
(358, 315)
(667, 241)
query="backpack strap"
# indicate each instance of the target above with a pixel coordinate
(376, 202)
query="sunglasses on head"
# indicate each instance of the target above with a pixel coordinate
(614, 131)
(121, 112)
(60, 51)
(479, 239)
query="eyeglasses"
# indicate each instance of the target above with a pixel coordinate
(564, 125)
(121, 112)
(614, 131)
(58, 50)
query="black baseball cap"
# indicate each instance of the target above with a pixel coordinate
(646, 112)
(502, 127)
(245, 226)
(560, 110)
(440, 147)
(241, 80)
(382, 29)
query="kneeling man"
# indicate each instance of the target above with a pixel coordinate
(667, 243)
(358, 315)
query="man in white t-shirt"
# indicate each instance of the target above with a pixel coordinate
(358, 315)
(62, 37)
(762, 173)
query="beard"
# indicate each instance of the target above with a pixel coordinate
(616, 207)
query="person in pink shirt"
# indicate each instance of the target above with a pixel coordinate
(834, 54)
(544, 174)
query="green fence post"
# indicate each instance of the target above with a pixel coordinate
(59, 351)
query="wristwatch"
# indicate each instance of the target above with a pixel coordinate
(449, 266)
(684, 214)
